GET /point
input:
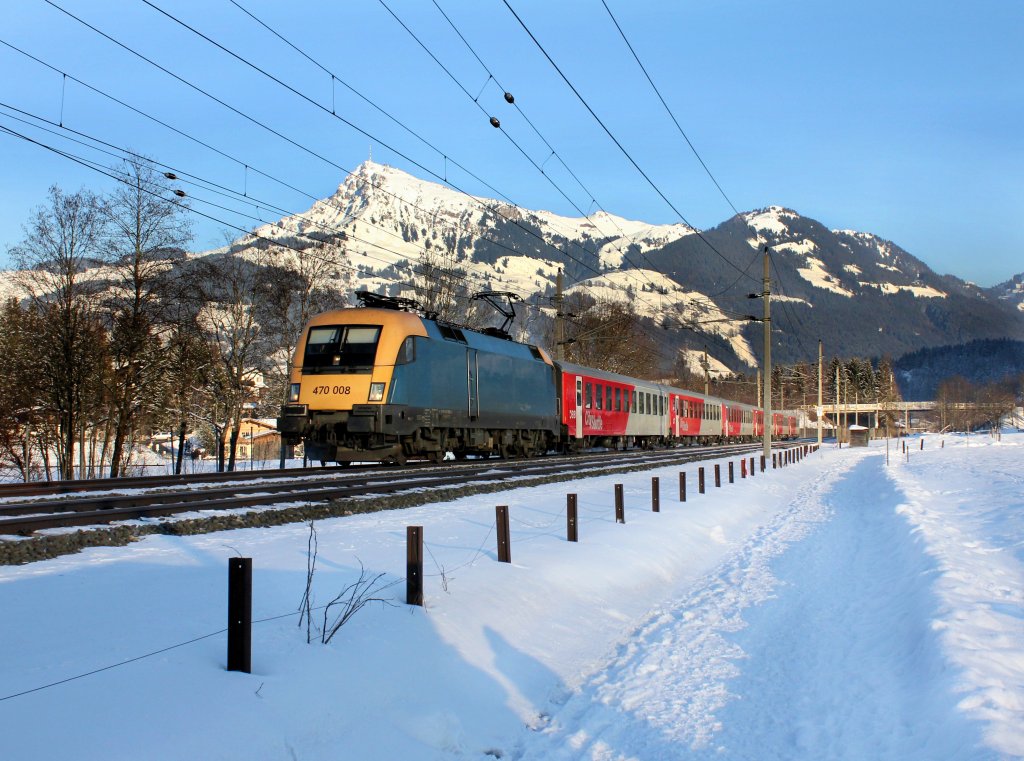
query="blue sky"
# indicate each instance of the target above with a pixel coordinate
(903, 119)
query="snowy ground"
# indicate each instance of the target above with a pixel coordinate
(838, 608)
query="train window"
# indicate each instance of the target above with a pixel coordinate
(599, 392)
(451, 333)
(536, 352)
(632, 397)
(341, 348)
(608, 398)
(590, 396)
(649, 406)
(618, 400)
(407, 352)
(661, 406)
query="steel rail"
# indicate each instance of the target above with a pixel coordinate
(37, 515)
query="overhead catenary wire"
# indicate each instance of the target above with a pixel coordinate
(256, 236)
(615, 140)
(474, 99)
(492, 209)
(511, 100)
(230, 157)
(220, 190)
(109, 173)
(275, 132)
(707, 170)
(666, 106)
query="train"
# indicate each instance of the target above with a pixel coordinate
(387, 382)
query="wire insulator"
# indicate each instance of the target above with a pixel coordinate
(495, 123)
(509, 97)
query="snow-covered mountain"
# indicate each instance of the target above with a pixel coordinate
(860, 294)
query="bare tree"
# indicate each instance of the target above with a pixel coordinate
(187, 364)
(611, 336)
(230, 285)
(21, 402)
(60, 242)
(146, 224)
(440, 281)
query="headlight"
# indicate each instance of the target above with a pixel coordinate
(293, 393)
(376, 392)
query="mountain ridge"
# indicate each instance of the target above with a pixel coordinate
(861, 294)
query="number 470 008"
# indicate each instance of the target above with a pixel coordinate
(332, 390)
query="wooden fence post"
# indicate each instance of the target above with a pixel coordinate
(762, 463)
(743, 468)
(240, 614)
(571, 520)
(504, 545)
(414, 565)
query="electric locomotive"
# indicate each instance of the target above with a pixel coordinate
(384, 384)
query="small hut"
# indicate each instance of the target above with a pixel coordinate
(858, 435)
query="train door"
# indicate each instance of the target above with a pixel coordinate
(473, 383)
(579, 407)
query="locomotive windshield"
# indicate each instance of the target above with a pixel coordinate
(341, 348)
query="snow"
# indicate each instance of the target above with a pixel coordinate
(815, 273)
(919, 291)
(839, 608)
(770, 219)
(692, 358)
(801, 247)
(666, 297)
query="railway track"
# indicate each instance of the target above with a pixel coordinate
(71, 504)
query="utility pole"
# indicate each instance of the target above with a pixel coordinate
(759, 384)
(766, 295)
(706, 366)
(821, 408)
(559, 319)
(839, 429)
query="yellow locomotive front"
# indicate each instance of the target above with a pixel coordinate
(341, 378)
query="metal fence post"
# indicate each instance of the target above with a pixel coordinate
(718, 475)
(700, 479)
(571, 519)
(620, 507)
(682, 487)
(240, 614)
(655, 494)
(504, 546)
(414, 565)
(730, 472)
